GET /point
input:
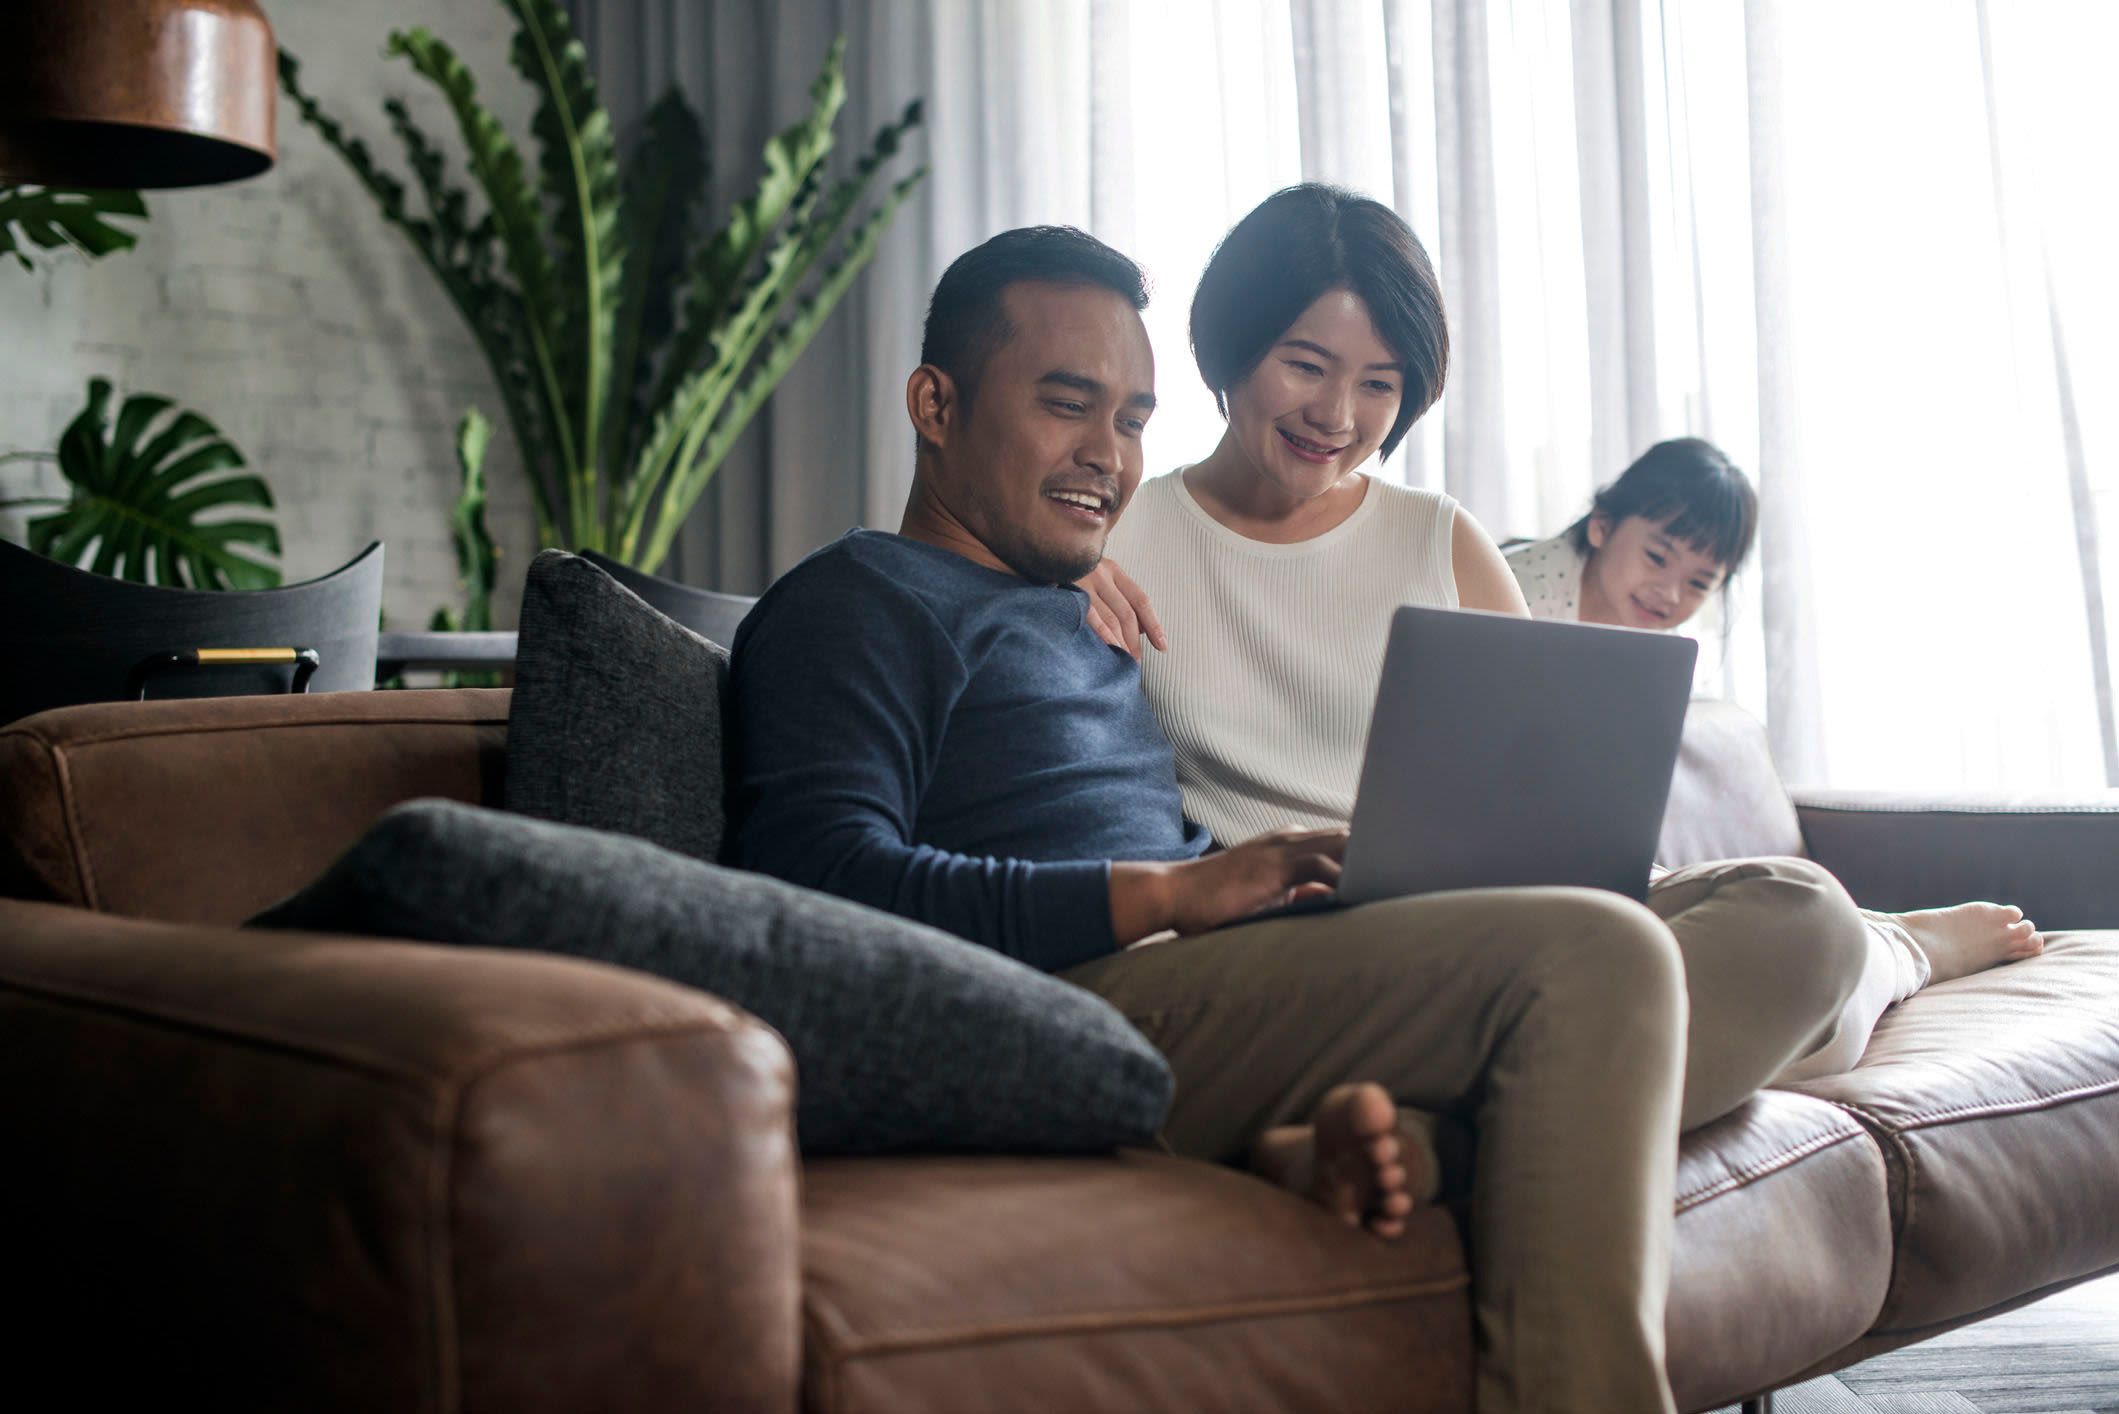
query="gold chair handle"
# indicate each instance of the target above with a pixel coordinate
(305, 660)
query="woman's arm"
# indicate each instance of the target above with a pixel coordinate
(1484, 580)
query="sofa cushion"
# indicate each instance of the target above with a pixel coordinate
(905, 1038)
(1726, 798)
(204, 810)
(1128, 1283)
(1996, 1101)
(1783, 1246)
(616, 722)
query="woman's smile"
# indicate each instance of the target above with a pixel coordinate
(1310, 451)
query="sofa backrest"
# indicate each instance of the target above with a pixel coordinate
(1726, 799)
(206, 810)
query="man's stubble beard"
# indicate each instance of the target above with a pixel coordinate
(1047, 564)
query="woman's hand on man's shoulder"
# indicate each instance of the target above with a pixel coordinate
(1119, 610)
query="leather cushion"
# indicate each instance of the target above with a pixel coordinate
(1726, 798)
(205, 810)
(1783, 1245)
(1139, 1282)
(906, 1038)
(1996, 1100)
(616, 720)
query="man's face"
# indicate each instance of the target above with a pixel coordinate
(1050, 450)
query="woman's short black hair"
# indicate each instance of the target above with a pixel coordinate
(965, 321)
(1298, 244)
(1691, 489)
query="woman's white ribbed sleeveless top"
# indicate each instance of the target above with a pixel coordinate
(1276, 650)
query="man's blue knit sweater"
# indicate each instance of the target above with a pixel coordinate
(948, 742)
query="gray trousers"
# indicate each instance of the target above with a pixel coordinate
(1555, 1022)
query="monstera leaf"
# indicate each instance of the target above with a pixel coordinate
(138, 498)
(43, 218)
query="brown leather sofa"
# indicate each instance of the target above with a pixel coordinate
(287, 1172)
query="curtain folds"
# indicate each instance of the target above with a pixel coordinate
(1753, 223)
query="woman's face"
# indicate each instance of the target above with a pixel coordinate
(1641, 577)
(1321, 401)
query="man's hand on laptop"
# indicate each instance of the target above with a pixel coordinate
(1199, 895)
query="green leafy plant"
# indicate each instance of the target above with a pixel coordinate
(477, 557)
(141, 495)
(631, 347)
(48, 218)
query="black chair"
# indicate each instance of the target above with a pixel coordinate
(67, 635)
(710, 615)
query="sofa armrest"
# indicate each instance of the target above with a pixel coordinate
(2050, 856)
(285, 1171)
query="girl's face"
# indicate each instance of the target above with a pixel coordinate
(1321, 401)
(1640, 577)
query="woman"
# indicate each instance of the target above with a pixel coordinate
(1274, 565)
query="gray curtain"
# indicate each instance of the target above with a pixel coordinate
(1005, 141)
(746, 69)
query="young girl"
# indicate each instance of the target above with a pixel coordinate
(1655, 545)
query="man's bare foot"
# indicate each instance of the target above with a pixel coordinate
(1351, 1157)
(1971, 937)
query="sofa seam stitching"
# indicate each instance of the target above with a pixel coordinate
(1107, 1321)
(500, 1053)
(136, 733)
(77, 837)
(1959, 811)
(1931, 1119)
(441, 1254)
(1766, 1168)
(1909, 1166)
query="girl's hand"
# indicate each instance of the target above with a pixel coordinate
(1119, 610)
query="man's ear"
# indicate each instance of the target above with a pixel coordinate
(931, 402)
(1599, 529)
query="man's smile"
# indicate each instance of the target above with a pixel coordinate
(1091, 507)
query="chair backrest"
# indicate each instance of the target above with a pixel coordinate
(711, 615)
(68, 636)
(1726, 799)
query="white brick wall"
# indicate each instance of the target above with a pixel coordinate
(285, 311)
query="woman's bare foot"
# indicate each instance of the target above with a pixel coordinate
(1971, 937)
(1351, 1157)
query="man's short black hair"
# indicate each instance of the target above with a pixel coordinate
(1298, 244)
(965, 321)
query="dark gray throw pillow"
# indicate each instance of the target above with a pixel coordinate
(616, 719)
(905, 1038)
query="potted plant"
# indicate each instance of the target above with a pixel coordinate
(630, 344)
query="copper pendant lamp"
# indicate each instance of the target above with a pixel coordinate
(135, 93)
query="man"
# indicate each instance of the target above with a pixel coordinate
(924, 722)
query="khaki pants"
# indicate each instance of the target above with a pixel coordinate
(1553, 1021)
(1774, 950)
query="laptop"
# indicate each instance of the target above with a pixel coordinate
(1507, 751)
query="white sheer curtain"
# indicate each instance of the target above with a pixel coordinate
(1855, 244)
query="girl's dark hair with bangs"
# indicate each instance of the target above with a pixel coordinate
(1294, 246)
(1691, 489)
